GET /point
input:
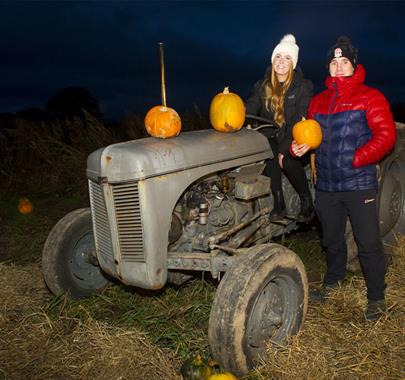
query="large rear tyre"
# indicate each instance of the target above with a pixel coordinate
(68, 259)
(263, 297)
(392, 203)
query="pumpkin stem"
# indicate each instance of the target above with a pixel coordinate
(162, 73)
(226, 90)
(197, 359)
(303, 118)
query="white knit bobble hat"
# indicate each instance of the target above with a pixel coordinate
(288, 46)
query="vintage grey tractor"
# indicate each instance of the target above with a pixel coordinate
(165, 210)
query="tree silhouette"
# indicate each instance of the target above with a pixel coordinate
(31, 114)
(71, 102)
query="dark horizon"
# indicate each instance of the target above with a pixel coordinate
(111, 49)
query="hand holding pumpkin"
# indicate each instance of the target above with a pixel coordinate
(299, 149)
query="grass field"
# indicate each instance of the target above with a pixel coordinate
(127, 333)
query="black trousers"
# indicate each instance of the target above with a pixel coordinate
(360, 206)
(293, 168)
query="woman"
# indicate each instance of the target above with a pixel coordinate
(283, 96)
(358, 130)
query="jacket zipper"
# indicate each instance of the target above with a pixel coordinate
(334, 98)
(330, 133)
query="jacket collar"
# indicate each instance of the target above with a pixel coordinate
(343, 84)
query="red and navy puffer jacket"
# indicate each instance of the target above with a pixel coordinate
(357, 131)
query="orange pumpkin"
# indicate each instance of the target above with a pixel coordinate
(222, 376)
(162, 122)
(227, 112)
(307, 131)
(25, 206)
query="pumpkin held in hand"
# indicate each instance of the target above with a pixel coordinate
(307, 131)
(25, 206)
(162, 122)
(227, 112)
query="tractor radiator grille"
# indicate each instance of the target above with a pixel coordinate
(127, 216)
(129, 222)
(101, 226)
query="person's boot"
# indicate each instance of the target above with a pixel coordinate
(307, 211)
(321, 294)
(375, 310)
(279, 210)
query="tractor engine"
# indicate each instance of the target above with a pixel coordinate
(211, 206)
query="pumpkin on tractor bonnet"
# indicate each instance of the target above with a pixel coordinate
(162, 122)
(227, 112)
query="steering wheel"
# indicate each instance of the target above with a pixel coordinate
(261, 122)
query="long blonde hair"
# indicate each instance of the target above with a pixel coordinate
(274, 94)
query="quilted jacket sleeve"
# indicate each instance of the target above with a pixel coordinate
(381, 124)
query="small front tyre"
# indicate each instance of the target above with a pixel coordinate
(68, 259)
(262, 298)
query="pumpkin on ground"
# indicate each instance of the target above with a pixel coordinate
(307, 131)
(25, 206)
(162, 122)
(227, 112)
(195, 368)
(222, 376)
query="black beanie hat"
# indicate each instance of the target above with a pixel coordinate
(342, 48)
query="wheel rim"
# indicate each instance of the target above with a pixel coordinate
(84, 272)
(272, 315)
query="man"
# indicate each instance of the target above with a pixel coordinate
(358, 131)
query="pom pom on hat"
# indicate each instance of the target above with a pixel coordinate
(342, 48)
(287, 45)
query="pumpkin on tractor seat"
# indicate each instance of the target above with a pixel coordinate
(227, 112)
(162, 122)
(307, 131)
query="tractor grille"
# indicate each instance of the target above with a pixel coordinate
(101, 226)
(127, 216)
(129, 222)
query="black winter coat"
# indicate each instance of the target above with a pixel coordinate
(296, 104)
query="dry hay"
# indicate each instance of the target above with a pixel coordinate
(34, 347)
(336, 342)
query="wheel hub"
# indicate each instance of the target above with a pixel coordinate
(271, 314)
(81, 264)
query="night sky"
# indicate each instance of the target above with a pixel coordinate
(111, 48)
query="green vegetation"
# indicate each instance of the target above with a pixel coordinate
(47, 164)
(48, 336)
(174, 317)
